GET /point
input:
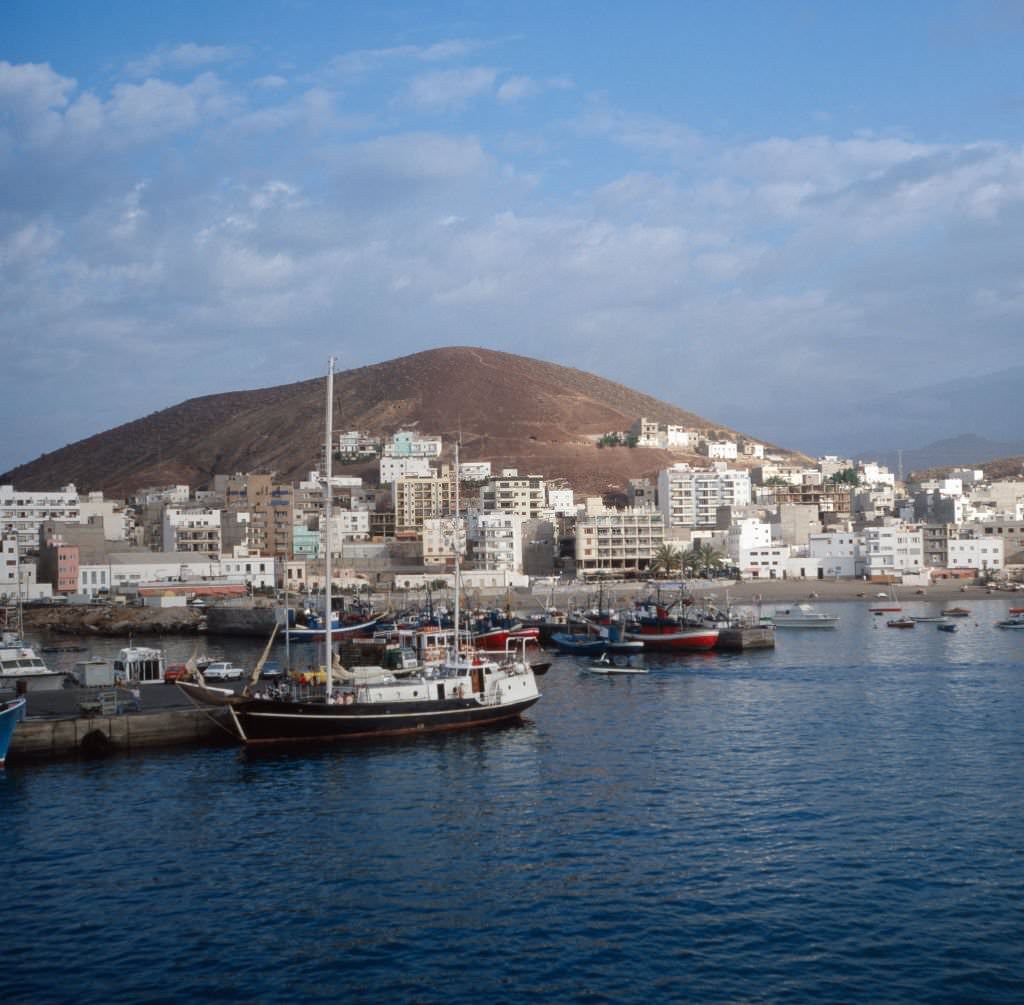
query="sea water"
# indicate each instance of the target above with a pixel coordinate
(838, 820)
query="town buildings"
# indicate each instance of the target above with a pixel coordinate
(766, 516)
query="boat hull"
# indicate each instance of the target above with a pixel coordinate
(11, 713)
(675, 640)
(261, 722)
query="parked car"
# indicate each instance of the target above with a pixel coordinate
(223, 670)
(176, 672)
(272, 670)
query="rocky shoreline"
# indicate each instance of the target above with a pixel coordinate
(91, 619)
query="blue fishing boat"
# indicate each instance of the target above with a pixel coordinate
(579, 645)
(11, 713)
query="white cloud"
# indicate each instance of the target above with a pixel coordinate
(444, 89)
(361, 61)
(271, 82)
(187, 56)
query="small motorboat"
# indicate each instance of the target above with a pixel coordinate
(901, 622)
(957, 612)
(605, 667)
(946, 626)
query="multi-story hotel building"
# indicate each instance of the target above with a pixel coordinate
(617, 542)
(417, 498)
(194, 529)
(690, 497)
(510, 492)
(23, 513)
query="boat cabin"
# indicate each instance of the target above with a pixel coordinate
(140, 665)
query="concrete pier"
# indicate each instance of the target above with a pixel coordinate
(68, 736)
(747, 637)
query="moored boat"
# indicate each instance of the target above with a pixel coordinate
(21, 667)
(946, 626)
(1015, 621)
(901, 622)
(11, 713)
(801, 616)
(467, 690)
(956, 612)
(660, 631)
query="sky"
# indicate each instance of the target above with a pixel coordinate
(758, 211)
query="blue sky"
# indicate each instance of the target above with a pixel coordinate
(752, 210)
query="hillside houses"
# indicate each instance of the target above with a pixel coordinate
(832, 518)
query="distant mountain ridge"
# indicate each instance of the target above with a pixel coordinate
(539, 417)
(966, 450)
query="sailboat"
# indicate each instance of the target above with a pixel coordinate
(889, 606)
(467, 690)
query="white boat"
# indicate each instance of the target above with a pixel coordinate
(802, 616)
(467, 690)
(20, 665)
(606, 668)
(1014, 621)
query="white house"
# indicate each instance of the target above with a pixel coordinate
(835, 552)
(892, 550)
(722, 450)
(981, 553)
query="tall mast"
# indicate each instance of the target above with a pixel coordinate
(328, 470)
(457, 539)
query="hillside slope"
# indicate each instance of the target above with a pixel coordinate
(509, 409)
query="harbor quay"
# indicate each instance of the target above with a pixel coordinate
(47, 738)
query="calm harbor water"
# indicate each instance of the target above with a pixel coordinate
(839, 820)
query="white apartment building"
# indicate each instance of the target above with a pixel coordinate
(441, 535)
(981, 553)
(499, 541)
(416, 499)
(22, 513)
(690, 497)
(767, 562)
(836, 553)
(561, 501)
(349, 525)
(510, 492)
(617, 542)
(871, 473)
(17, 578)
(393, 468)
(746, 533)
(893, 550)
(193, 529)
(680, 438)
(406, 443)
(721, 450)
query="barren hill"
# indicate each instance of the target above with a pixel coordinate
(514, 411)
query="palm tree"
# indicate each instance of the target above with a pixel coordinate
(706, 558)
(666, 559)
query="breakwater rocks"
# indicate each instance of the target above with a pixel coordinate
(95, 619)
(256, 621)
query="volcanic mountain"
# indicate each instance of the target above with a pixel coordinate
(514, 411)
